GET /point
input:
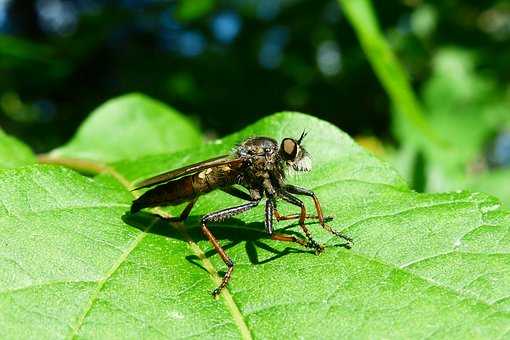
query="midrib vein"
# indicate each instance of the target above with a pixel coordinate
(228, 299)
(109, 274)
(213, 273)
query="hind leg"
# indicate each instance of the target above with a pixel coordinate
(185, 213)
(310, 243)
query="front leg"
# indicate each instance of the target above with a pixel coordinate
(268, 221)
(280, 217)
(302, 191)
(296, 201)
(271, 193)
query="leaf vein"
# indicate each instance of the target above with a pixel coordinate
(95, 295)
(41, 285)
(456, 292)
(228, 299)
(407, 211)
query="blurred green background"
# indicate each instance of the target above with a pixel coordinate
(228, 63)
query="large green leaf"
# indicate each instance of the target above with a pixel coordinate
(422, 265)
(14, 153)
(130, 126)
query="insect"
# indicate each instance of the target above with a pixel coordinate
(259, 165)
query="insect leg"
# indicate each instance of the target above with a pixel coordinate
(302, 191)
(237, 193)
(296, 216)
(296, 201)
(270, 211)
(268, 218)
(218, 216)
(185, 213)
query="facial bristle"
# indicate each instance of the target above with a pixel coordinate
(304, 164)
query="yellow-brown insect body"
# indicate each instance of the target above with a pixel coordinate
(186, 188)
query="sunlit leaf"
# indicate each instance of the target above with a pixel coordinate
(14, 153)
(75, 264)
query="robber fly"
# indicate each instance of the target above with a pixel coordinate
(259, 165)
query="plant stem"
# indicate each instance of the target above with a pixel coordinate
(361, 15)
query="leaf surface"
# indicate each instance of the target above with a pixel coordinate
(422, 265)
(14, 153)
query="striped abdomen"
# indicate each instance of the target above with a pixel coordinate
(185, 189)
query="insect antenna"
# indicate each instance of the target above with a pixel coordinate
(303, 135)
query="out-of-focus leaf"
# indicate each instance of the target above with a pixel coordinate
(463, 108)
(494, 182)
(17, 55)
(424, 20)
(466, 108)
(130, 126)
(14, 153)
(462, 105)
(188, 10)
(12, 47)
(421, 265)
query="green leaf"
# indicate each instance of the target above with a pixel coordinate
(463, 106)
(188, 10)
(16, 53)
(468, 109)
(494, 182)
(130, 126)
(14, 153)
(422, 265)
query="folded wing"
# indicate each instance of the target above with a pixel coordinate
(188, 170)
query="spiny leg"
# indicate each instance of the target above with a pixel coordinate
(185, 213)
(297, 216)
(280, 217)
(296, 201)
(302, 191)
(218, 216)
(269, 212)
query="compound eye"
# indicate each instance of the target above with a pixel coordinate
(289, 148)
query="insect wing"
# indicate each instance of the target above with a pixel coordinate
(188, 170)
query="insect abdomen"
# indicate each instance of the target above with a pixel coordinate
(170, 193)
(184, 189)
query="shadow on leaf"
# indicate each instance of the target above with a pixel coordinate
(233, 230)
